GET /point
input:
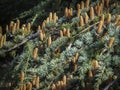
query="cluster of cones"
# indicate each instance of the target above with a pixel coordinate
(34, 83)
(62, 84)
(52, 17)
(14, 26)
(2, 38)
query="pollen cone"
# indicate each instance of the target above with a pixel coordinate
(35, 52)
(0, 30)
(61, 33)
(86, 17)
(87, 4)
(95, 64)
(28, 26)
(29, 86)
(111, 41)
(64, 79)
(41, 36)
(91, 13)
(82, 5)
(81, 21)
(37, 83)
(54, 87)
(108, 19)
(66, 12)
(99, 30)
(22, 76)
(90, 74)
(18, 24)
(68, 33)
(78, 6)
(78, 12)
(49, 40)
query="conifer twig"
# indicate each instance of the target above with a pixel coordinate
(110, 84)
(86, 29)
(24, 41)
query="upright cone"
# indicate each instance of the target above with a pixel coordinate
(111, 41)
(41, 36)
(91, 13)
(28, 26)
(0, 30)
(35, 53)
(29, 86)
(49, 41)
(95, 64)
(82, 5)
(78, 12)
(61, 33)
(22, 76)
(86, 18)
(81, 21)
(54, 87)
(18, 24)
(108, 19)
(66, 12)
(99, 30)
(68, 33)
(37, 83)
(87, 4)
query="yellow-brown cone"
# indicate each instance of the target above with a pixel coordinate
(95, 64)
(108, 19)
(87, 4)
(74, 67)
(49, 41)
(107, 3)
(76, 55)
(111, 41)
(71, 12)
(54, 17)
(41, 36)
(66, 12)
(68, 33)
(29, 86)
(37, 83)
(24, 87)
(39, 28)
(103, 18)
(54, 87)
(33, 80)
(0, 29)
(78, 6)
(4, 39)
(61, 33)
(117, 19)
(11, 25)
(99, 30)
(22, 76)
(82, 5)
(18, 24)
(86, 17)
(1, 41)
(35, 53)
(7, 28)
(50, 16)
(91, 13)
(81, 21)
(64, 79)
(28, 26)
(64, 31)
(78, 12)
(90, 74)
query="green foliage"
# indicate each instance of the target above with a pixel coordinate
(51, 63)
